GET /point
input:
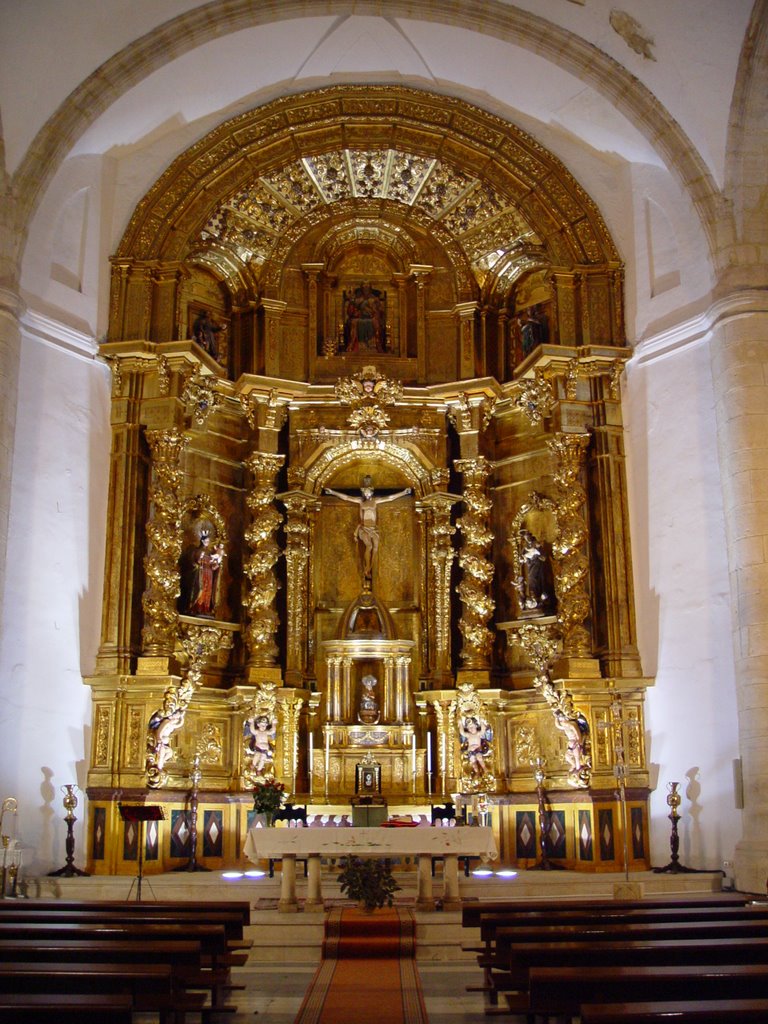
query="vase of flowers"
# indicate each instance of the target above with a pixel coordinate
(269, 797)
(368, 881)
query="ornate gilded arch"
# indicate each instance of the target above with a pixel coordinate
(502, 158)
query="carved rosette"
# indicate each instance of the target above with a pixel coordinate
(199, 644)
(161, 563)
(260, 567)
(475, 587)
(534, 398)
(568, 548)
(201, 397)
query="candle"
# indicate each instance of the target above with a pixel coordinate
(327, 759)
(429, 762)
(310, 754)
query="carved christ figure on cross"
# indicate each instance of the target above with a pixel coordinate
(367, 532)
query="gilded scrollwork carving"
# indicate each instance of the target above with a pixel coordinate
(367, 392)
(199, 644)
(535, 397)
(568, 547)
(201, 397)
(541, 645)
(159, 600)
(478, 773)
(474, 589)
(260, 567)
(260, 725)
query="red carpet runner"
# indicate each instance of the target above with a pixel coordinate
(368, 974)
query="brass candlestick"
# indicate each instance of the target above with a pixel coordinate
(545, 864)
(195, 778)
(674, 799)
(70, 803)
(9, 804)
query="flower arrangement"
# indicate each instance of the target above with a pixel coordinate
(268, 797)
(368, 880)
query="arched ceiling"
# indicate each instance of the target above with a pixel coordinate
(376, 160)
(651, 85)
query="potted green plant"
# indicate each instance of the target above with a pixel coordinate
(268, 798)
(368, 881)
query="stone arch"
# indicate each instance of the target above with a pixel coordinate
(194, 28)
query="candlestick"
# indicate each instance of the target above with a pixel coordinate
(429, 763)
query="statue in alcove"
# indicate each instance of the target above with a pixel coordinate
(201, 568)
(368, 712)
(534, 584)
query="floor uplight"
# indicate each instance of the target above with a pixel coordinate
(231, 874)
(506, 873)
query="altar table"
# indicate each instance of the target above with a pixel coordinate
(423, 842)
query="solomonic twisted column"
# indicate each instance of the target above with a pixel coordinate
(568, 548)
(475, 587)
(159, 600)
(260, 567)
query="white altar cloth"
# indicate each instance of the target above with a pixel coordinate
(422, 842)
(466, 841)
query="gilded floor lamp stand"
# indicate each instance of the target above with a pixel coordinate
(674, 867)
(545, 864)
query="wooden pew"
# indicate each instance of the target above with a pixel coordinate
(232, 923)
(149, 985)
(470, 912)
(555, 991)
(713, 1011)
(44, 1008)
(213, 977)
(499, 974)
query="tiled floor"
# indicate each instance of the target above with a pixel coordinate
(275, 991)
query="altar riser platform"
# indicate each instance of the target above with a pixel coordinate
(297, 938)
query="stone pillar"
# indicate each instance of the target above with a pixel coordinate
(260, 566)
(477, 567)
(740, 373)
(10, 357)
(159, 600)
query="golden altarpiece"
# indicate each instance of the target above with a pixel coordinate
(367, 527)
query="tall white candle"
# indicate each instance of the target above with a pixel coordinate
(413, 753)
(429, 753)
(327, 758)
(310, 754)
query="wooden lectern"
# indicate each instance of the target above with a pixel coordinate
(140, 814)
